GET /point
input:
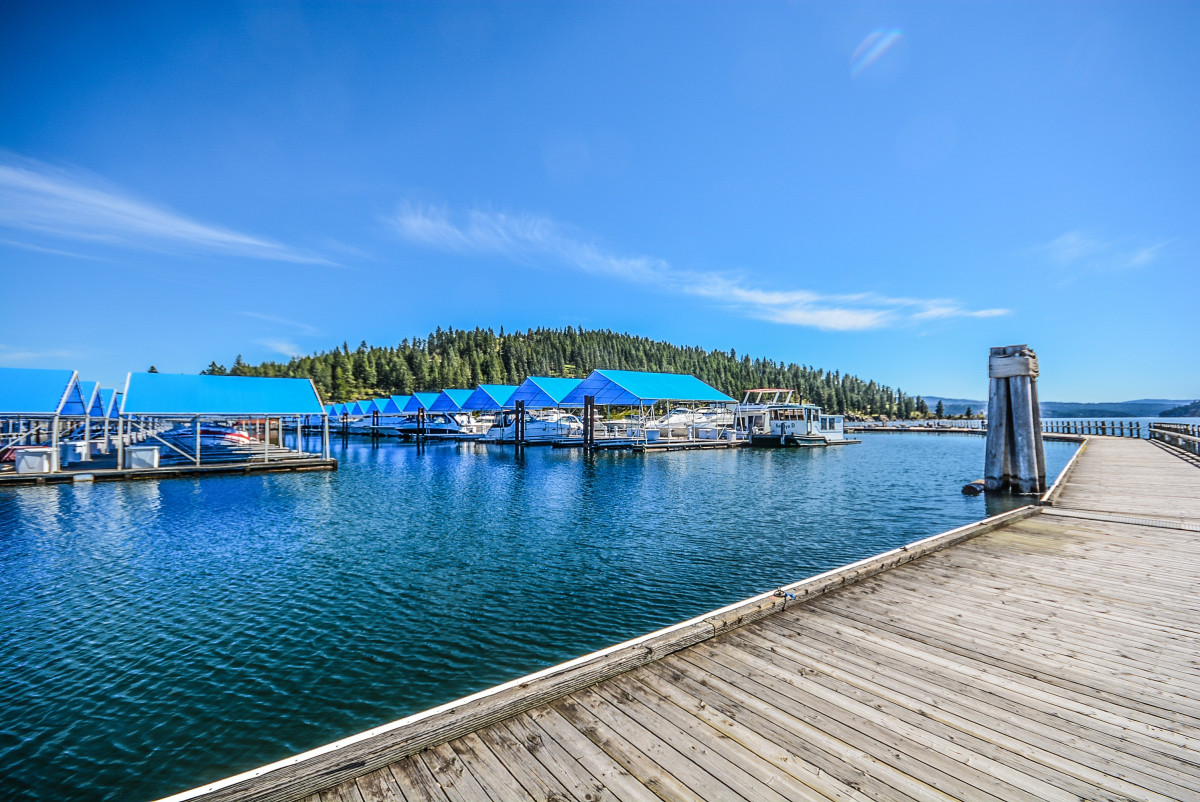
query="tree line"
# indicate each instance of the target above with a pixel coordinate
(461, 358)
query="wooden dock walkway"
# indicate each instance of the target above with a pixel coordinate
(1052, 653)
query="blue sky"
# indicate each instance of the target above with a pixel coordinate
(882, 188)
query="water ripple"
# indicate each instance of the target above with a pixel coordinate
(156, 635)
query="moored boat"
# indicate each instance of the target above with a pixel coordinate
(771, 418)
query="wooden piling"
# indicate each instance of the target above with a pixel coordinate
(1015, 459)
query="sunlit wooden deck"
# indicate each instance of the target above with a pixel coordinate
(1056, 657)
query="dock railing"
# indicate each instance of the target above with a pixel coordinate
(1107, 428)
(1184, 436)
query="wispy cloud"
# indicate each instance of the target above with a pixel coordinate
(872, 49)
(51, 201)
(302, 328)
(9, 353)
(535, 240)
(1082, 252)
(283, 347)
(55, 251)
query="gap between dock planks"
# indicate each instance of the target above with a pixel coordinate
(1034, 663)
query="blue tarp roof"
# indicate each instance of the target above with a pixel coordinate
(420, 401)
(170, 394)
(540, 392)
(33, 391)
(450, 400)
(631, 388)
(377, 405)
(489, 397)
(358, 408)
(331, 409)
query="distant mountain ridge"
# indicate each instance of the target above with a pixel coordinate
(1191, 410)
(1140, 408)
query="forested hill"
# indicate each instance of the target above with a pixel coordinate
(468, 358)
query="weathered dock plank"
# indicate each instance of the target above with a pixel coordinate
(1053, 654)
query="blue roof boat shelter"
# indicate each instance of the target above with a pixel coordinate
(36, 393)
(633, 388)
(358, 408)
(111, 401)
(542, 392)
(420, 401)
(450, 401)
(186, 396)
(489, 397)
(91, 396)
(33, 401)
(169, 395)
(397, 404)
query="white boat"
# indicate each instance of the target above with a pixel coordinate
(541, 426)
(212, 435)
(772, 418)
(704, 423)
(441, 424)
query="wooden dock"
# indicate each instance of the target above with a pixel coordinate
(1051, 653)
(105, 471)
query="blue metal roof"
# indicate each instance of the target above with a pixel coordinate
(541, 392)
(331, 410)
(450, 400)
(377, 405)
(420, 401)
(32, 391)
(110, 401)
(91, 396)
(395, 404)
(172, 394)
(358, 408)
(631, 388)
(489, 397)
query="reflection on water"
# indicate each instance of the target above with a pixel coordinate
(159, 634)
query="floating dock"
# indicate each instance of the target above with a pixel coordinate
(100, 469)
(1048, 653)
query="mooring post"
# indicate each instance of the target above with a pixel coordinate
(1015, 459)
(589, 431)
(519, 425)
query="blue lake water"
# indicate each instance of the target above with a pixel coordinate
(156, 635)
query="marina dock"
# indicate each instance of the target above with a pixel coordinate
(1048, 653)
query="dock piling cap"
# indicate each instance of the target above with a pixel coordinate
(1011, 361)
(973, 488)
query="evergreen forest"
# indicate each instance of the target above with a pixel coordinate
(460, 358)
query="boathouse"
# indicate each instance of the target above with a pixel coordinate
(489, 397)
(450, 401)
(420, 401)
(34, 404)
(152, 399)
(629, 388)
(542, 392)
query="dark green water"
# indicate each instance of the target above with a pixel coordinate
(157, 635)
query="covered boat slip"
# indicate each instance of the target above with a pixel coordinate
(43, 409)
(198, 425)
(1048, 653)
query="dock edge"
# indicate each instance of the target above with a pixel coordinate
(317, 769)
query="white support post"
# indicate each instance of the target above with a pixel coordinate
(87, 435)
(196, 425)
(324, 437)
(54, 442)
